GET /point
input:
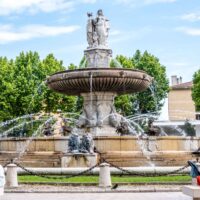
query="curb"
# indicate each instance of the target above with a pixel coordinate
(112, 191)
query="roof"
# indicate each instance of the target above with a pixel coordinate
(186, 85)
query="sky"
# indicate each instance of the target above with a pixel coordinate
(168, 29)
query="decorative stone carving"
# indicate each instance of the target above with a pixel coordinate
(97, 30)
(97, 110)
(124, 128)
(80, 144)
(73, 143)
(98, 84)
(98, 57)
(86, 145)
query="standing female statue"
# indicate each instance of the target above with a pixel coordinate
(97, 30)
(101, 28)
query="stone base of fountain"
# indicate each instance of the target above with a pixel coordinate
(78, 160)
(104, 131)
(98, 57)
(99, 116)
(123, 151)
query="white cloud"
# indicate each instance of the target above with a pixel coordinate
(191, 17)
(143, 2)
(8, 7)
(189, 31)
(8, 34)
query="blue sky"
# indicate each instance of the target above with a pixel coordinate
(169, 29)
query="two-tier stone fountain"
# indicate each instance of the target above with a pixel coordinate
(97, 83)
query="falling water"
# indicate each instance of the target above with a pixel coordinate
(91, 94)
(29, 140)
(5, 133)
(152, 88)
(116, 63)
(9, 122)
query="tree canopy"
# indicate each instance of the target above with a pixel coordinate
(152, 99)
(196, 89)
(23, 88)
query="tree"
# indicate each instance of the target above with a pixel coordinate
(7, 91)
(26, 82)
(151, 100)
(23, 89)
(121, 61)
(51, 100)
(196, 89)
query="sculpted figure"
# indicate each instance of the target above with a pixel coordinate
(97, 30)
(73, 143)
(86, 145)
(102, 28)
(88, 118)
(90, 30)
(125, 128)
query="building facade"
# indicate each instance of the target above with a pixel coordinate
(180, 103)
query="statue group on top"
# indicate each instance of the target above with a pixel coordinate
(97, 30)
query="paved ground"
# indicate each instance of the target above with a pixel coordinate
(83, 188)
(96, 196)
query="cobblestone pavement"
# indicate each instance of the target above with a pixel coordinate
(96, 196)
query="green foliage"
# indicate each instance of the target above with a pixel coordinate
(125, 62)
(151, 100)
(196, 90)
(125, 104)
(7, 89)
(72, 66)
(83, 63)
(23, 88)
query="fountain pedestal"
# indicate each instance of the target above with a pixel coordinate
(97, 57)
(79, 160)
(99, 115)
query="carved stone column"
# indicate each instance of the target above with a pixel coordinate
(99, 113)
(97, 58)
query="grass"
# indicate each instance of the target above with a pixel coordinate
(115, 179)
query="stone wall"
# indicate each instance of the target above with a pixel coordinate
(123, 151)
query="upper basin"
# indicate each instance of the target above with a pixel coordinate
(121, 81)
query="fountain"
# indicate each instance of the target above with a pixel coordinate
(98, 84)
(54, 142)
